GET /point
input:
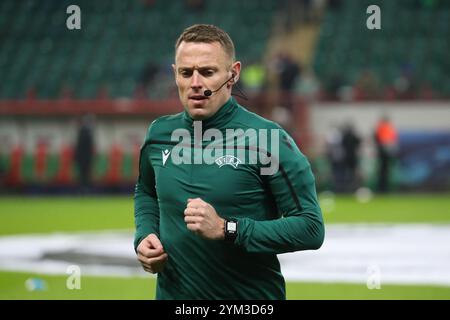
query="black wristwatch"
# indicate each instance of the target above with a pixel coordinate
(231, 230)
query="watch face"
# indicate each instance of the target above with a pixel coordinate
(231, 226)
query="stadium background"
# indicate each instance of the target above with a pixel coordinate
(312, 66)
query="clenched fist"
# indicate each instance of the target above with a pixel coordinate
(151, 255)
(202, 218)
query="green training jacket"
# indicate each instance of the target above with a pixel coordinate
(276, 213)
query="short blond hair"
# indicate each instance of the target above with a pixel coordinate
(207, 33)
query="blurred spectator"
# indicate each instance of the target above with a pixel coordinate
(84, 150)
(335, 155)
(287, 72)
(350, 145)
(386, 141)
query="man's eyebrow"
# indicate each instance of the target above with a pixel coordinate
(215, 68)
(208, 68)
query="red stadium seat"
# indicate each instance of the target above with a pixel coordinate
(65, 174)
(114, 174)
(40, 161)
(14, 174)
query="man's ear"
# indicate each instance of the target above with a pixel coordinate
(174, 70)
(235, 71)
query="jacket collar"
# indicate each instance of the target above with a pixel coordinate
(218, 120)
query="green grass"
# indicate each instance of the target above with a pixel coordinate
(19, 215)
(12, 286)
(390, 209)
(341, 291)
(49, 214)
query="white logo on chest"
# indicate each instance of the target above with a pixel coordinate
(165, 156)
(228, 159)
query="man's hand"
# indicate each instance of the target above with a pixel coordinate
(151, 255)
(202, 218)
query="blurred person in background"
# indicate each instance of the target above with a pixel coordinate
(386, 140)
(288, 72)
(84, 151)
(336, 156)
(213, 231)
(350, 145)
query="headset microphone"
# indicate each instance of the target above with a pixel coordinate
(208, 93)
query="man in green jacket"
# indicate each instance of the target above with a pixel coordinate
(221, 191)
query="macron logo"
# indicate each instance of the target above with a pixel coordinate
(165, 156)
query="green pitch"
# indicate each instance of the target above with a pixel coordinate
(41, 215)
(19, 215)
(12, 286)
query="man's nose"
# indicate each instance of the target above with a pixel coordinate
(196, 81)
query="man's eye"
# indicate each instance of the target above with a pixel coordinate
(185, 74)
(208, 73)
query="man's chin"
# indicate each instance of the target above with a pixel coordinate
(197, 113)
(199, 117)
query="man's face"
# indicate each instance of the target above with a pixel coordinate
(202, 66)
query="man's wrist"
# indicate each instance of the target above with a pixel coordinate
(222, 228)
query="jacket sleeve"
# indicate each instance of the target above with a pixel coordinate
(146, 208)
(300, 226)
